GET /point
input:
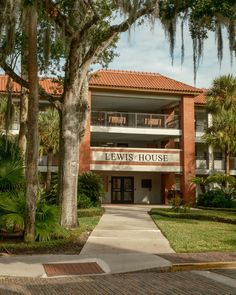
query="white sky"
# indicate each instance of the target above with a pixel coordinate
(146, 50)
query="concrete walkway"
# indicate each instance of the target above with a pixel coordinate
(125, 240)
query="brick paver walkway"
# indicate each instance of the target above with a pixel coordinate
(200, 257)
(124, 284)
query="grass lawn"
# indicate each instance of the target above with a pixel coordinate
(70, 245)
(188, 235)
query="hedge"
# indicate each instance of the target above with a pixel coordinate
(218, 209)
(195, 215)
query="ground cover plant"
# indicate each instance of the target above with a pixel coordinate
(189, 235)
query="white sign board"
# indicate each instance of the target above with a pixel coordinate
(138, 157)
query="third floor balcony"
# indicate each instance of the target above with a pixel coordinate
(134, 120)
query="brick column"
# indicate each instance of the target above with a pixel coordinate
(168, 183)
(187, 118)
(168, 179)
(84, 154)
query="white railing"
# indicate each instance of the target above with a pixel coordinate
(201, 163)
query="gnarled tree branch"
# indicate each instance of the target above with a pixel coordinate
(11, 73)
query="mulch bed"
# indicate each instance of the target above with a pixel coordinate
(69, 247)
(200, 257)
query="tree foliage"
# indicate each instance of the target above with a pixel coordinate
(79, 33)
(221, 103)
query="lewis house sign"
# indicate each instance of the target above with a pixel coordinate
(147, 159)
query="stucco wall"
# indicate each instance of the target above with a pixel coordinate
(141, 195)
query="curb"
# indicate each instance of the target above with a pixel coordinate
(189, 266)
(202, 266)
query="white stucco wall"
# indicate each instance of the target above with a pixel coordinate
(141, 195)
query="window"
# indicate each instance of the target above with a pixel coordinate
(218, 156)
(146, 183)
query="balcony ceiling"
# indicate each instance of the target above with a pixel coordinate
(128, 104)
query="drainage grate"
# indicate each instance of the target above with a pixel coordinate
(61, 269)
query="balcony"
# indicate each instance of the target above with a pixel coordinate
(134, 120)
(201, 163)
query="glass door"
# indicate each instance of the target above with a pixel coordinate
(122, 190)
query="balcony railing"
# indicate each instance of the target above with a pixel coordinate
(134, 120)
(200, 126)
(201, 163)
(219, 164)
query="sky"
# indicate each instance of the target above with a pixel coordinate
(145, 50)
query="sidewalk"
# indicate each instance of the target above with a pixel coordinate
(125, 240)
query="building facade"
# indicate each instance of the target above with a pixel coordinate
(143, 136)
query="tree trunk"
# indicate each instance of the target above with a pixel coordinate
(23, 122)
(49, 170)
(69, 161)
(22, 140)
(227, 162)
(32, 134)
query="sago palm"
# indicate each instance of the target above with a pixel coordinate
(12, 217)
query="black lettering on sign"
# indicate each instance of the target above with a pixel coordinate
(113, 156)
(130, 157)
(141, 158)
(148, 158)
(107, 158)
(165, 159)
(120, 157)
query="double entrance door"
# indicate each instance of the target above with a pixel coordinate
(122, 190)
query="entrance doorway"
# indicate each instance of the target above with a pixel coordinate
(122, 190)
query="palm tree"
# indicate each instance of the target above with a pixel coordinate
(221, 103)
(49, 136)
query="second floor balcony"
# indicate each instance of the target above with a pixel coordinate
(134, 120)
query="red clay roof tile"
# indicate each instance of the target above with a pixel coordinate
(121, 79)
(139, 81)
(49, 85)
(201, 98)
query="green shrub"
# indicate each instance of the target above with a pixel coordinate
(51, 196)
(175, 203)
(11, 175)
(9, 149)
(214, 198)
(13, 208)
(84, 201)
(195, 215)
(91, 185)
(46, 224)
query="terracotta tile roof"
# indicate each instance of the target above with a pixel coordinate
(49, 85)
(201, 98)
(121, 79)
(3, 85)
(139, 81)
